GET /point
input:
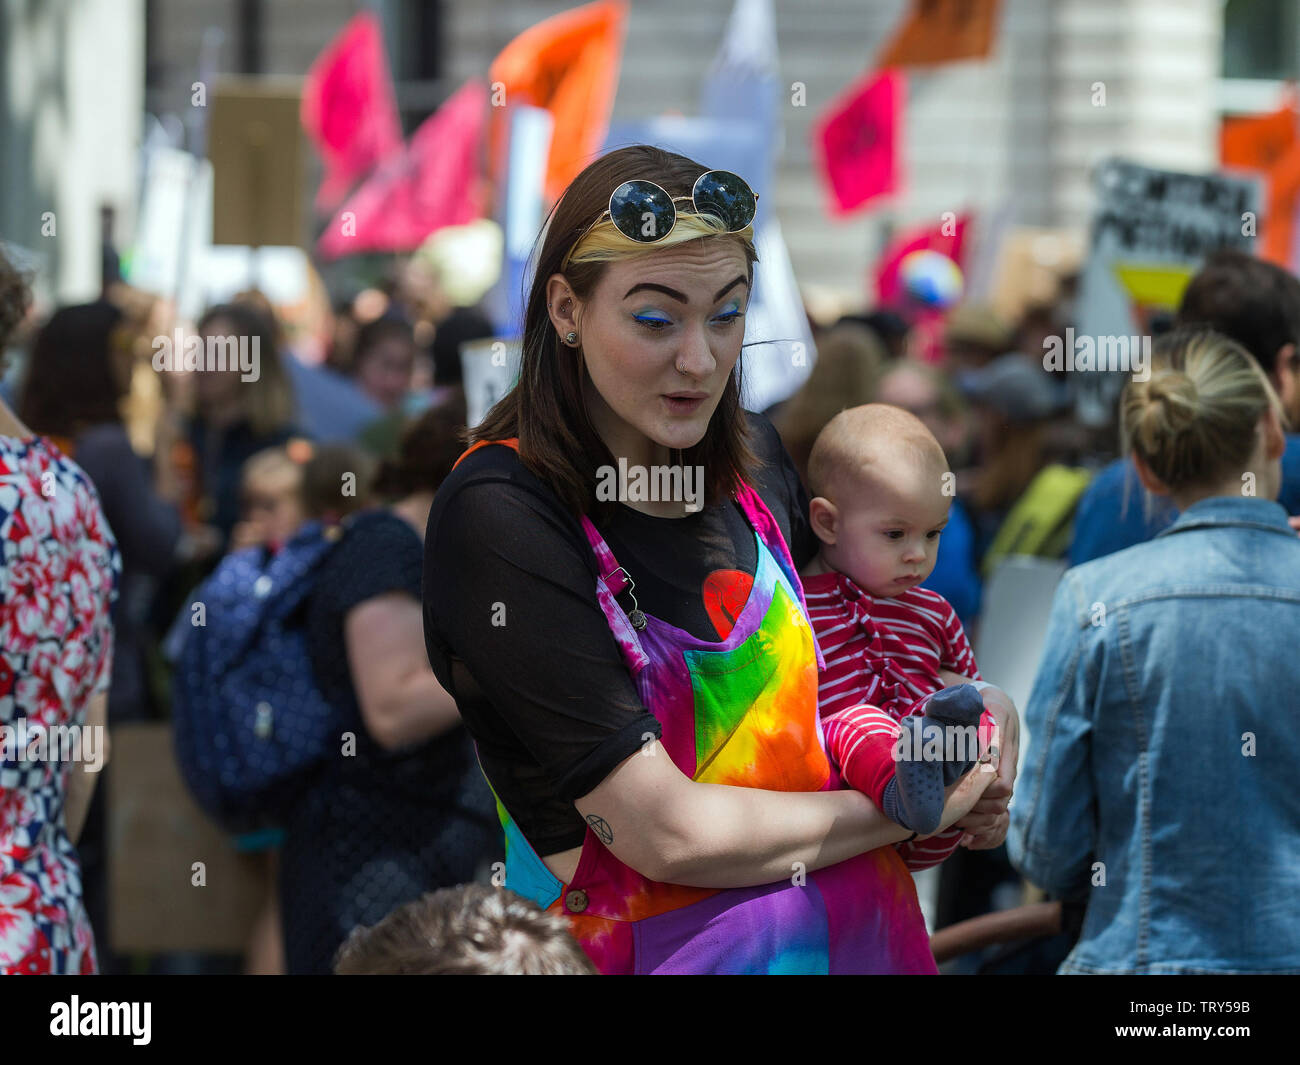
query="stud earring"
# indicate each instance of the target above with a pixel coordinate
(571, 338)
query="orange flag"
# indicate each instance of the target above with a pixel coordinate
(1269, 143)
(567, 64)
(941, 31)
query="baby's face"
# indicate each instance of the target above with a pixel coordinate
(888, 537)
(274, 508)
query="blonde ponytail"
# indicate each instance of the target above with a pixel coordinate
(1194, 420)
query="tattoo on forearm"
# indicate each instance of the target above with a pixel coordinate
(601, 827)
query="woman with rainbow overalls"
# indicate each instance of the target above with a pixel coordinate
(612, 597)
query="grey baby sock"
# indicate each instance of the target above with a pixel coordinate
(914, 798)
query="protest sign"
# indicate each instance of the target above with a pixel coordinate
(1150, 232)
(255, 143)
(489, 369)
(174, 233)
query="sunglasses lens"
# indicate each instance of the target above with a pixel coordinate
(642, 211)
(726, 196)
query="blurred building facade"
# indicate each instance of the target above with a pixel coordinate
(1015, 137)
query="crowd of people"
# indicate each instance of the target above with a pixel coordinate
(544, 686)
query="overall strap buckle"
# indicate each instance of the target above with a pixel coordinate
(617, 586)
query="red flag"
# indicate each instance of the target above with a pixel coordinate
(434, 183)
(856, 141)
(348, 108)
(567, 64)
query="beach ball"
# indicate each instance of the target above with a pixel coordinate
(931, 278)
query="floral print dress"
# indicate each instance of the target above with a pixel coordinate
(59, 568)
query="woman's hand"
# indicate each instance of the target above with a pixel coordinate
(988, 820)
(962, 797)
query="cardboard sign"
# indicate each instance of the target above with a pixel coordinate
(1151, 231)
(255, 143)
(156, 834)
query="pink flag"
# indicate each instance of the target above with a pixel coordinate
(348, 108)
(856, 141)
(434, 183)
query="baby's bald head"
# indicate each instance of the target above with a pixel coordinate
(874, 444)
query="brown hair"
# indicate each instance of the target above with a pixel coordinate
(468, 930)
(1194, 420)
(323, 484)
(75, 376)
(545, 410)
(428, 450)
(1007, 472)
(268, 400)
(1253, 302)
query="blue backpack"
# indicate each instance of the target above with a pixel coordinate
(250, 722)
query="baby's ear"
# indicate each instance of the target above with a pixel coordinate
(824, 518)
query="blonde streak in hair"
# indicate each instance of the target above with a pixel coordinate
(604, 243)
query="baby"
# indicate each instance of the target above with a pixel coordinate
(272, 490)
(882, 490)
(285, 487)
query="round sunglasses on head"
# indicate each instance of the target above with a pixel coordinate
(644, 212)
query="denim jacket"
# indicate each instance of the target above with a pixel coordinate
(1162, 778)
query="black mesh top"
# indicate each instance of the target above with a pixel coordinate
(376, 828)
(515, 633)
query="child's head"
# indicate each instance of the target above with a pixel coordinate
(881, 492)
(272, 495)
(470, 930)
(336, 481)
(1205, 416)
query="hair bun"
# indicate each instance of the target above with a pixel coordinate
(1172, 399)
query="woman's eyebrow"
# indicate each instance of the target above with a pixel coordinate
(678, 296)
(728, 287)
(682, 297)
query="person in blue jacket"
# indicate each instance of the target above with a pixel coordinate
(1255, 303)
